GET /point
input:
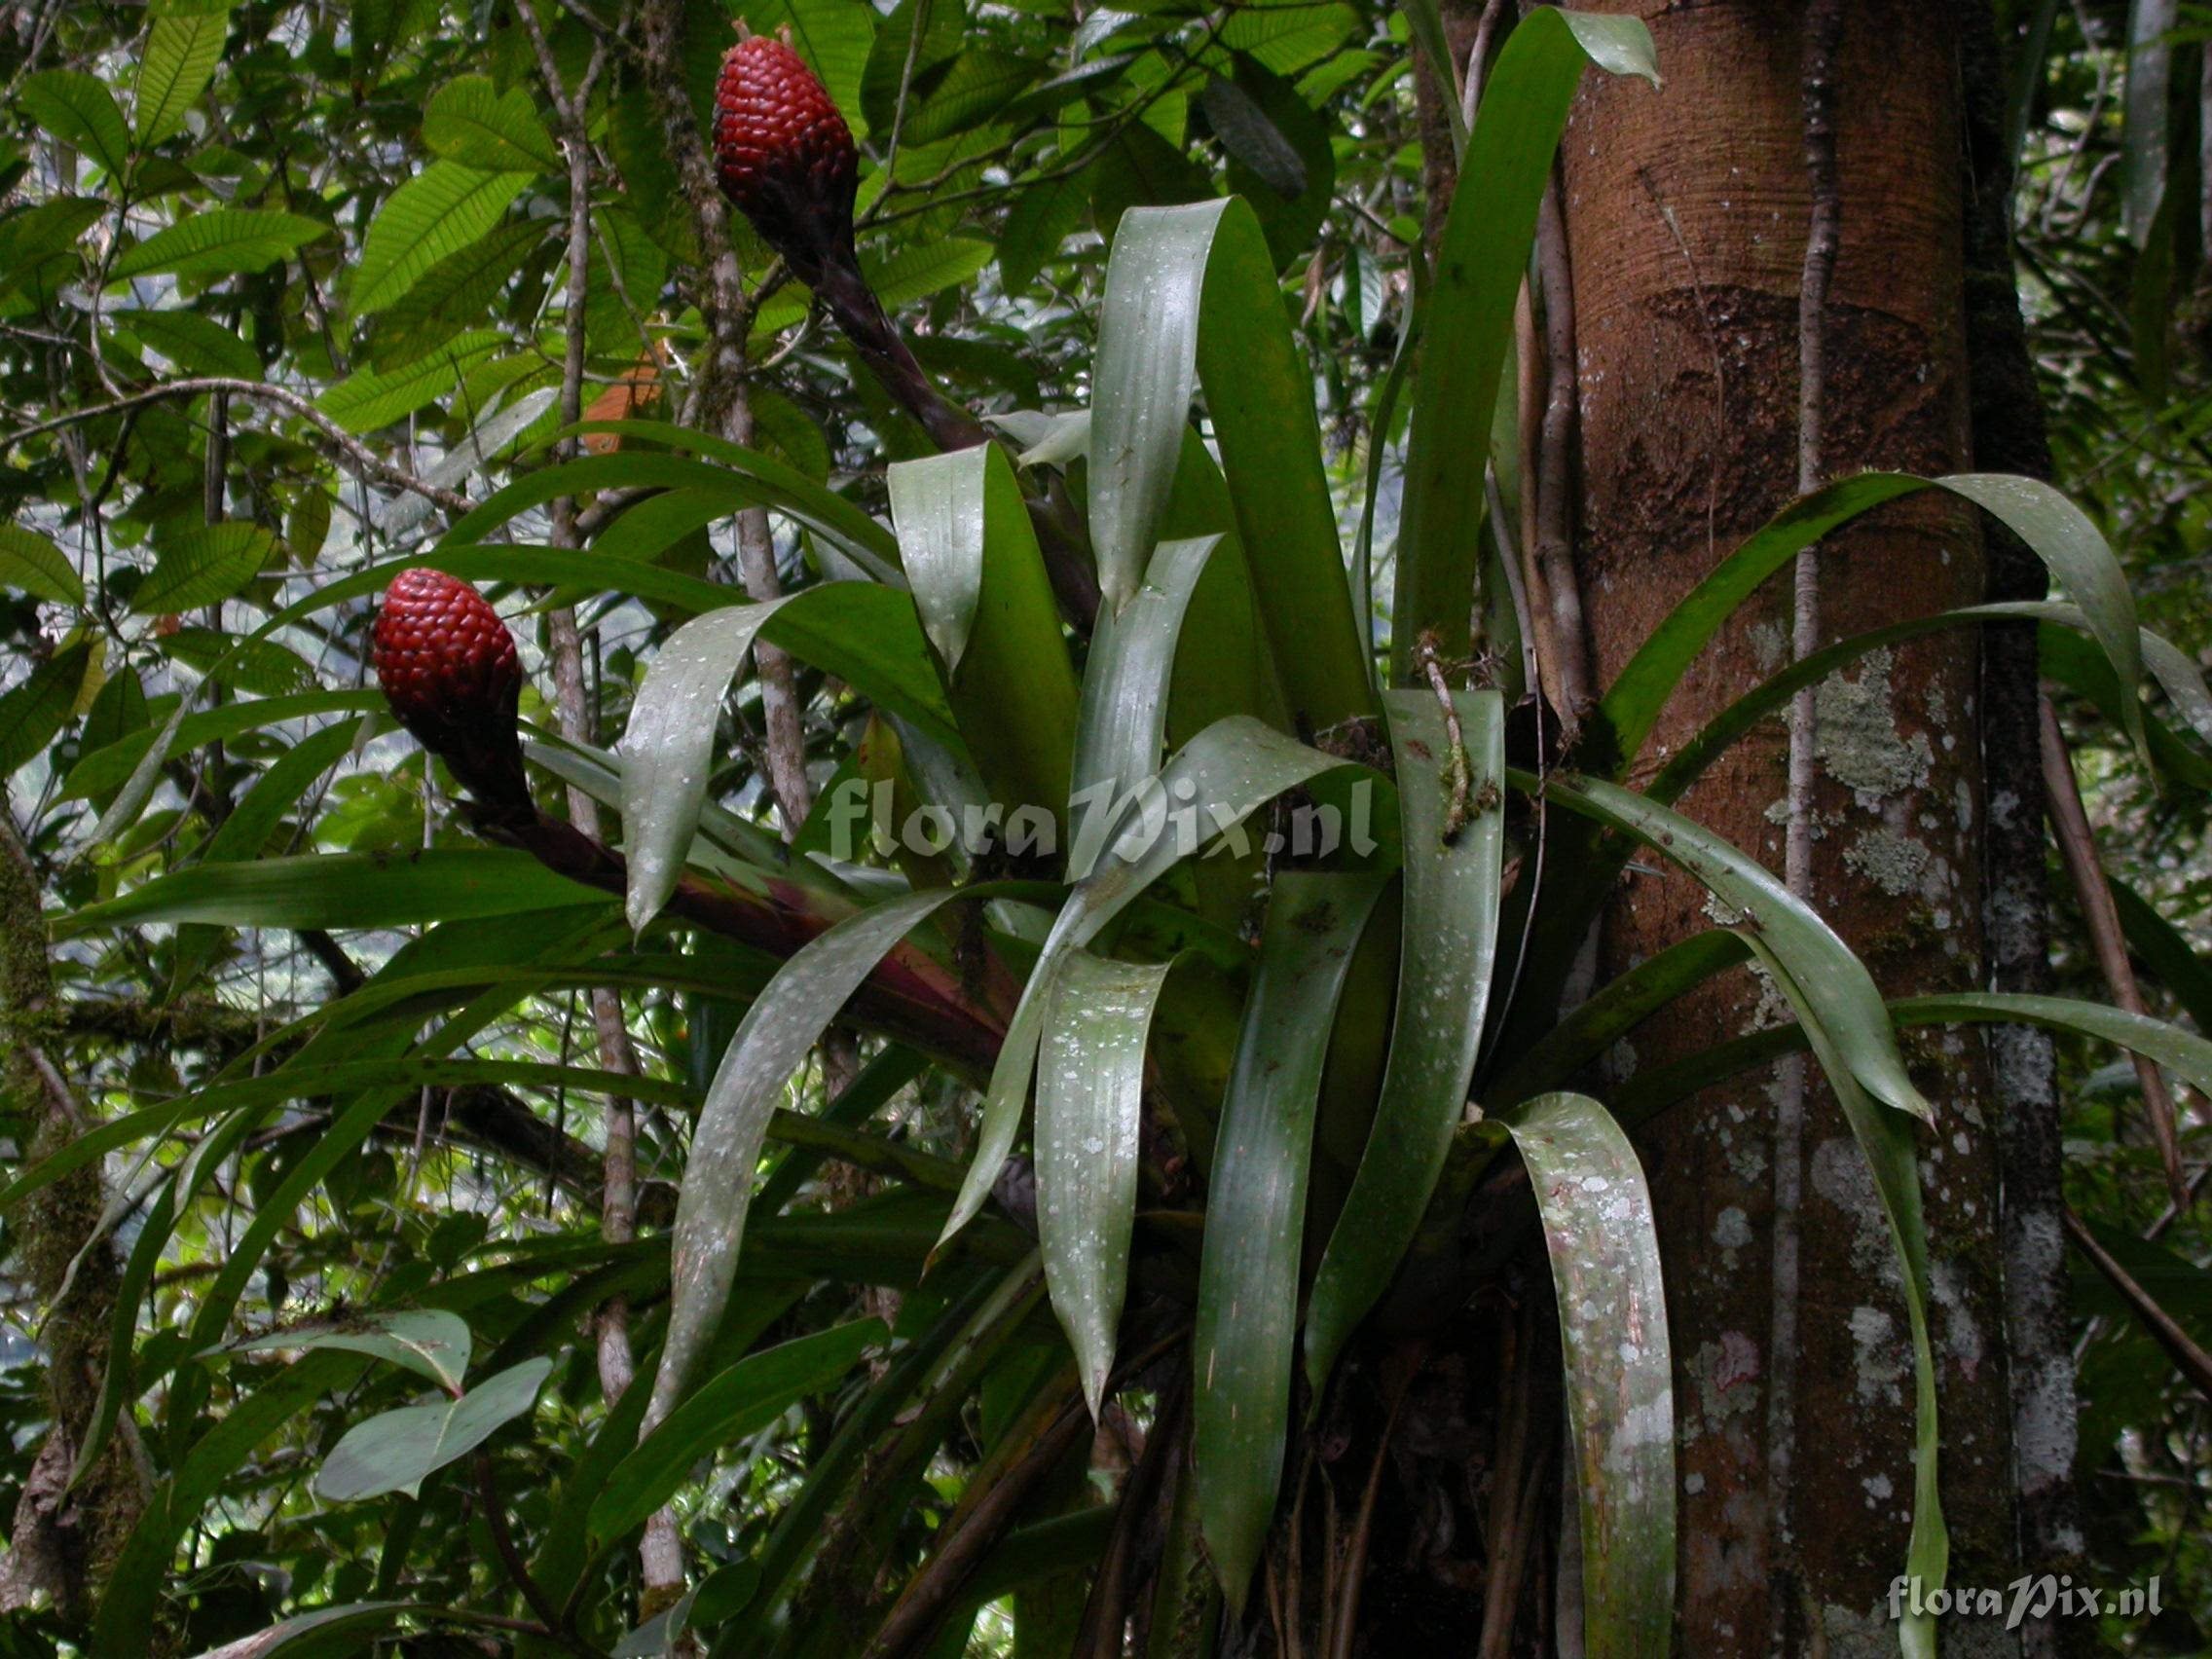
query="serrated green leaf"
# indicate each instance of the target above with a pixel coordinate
(218, 240)
(182, 49)
(441, 210)
(78, 109)
(471, 122)
(31, 564)
(456, 293)
(203, 566)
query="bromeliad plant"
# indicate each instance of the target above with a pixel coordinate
(1194, 1141)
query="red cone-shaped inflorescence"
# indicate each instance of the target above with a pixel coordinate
(785, 155)
(449, 670)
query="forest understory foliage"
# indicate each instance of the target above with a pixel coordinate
(819, 813)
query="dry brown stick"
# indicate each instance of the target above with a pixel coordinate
(2192, 1361)
(2078, 847)
(1363, 1523)
(366, 463)
(1106, 1612)
(661, 1550)
(1508, 1471)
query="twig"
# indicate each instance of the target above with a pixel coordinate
(2193, 1362)
(510, 1557)
(1363, 1526)
(1106, 1613)
(367, 464)
(1478, 62)
(2078, 847)
(1459, 770)
(1823, 25)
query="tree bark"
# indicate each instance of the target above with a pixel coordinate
(1689, 348)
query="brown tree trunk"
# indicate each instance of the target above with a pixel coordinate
(1688, 211)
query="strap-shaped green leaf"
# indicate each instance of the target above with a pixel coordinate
(784, 1023)
(2180, 675)
(868, 635)
(126, 1623)
(2058, 532)
(1468, 324)
(1225, 774)
(1125, 682)
(342, 890)
(970, 551)
(1090, 1096)
(1191, 297)
(1834, 979)
(739, 1402)
(747, 477)
(1244, 1344)
(1451, 805)
(1603, 1243)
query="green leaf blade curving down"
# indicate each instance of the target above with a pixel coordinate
(1244, 1345)
(868, 635)
(1603, 1243)
(1454, 849)
(2056, 531)
(1089, 1095)
(1469, 310)
(1834, 979)
(1886, 1140)
(785, 1023)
